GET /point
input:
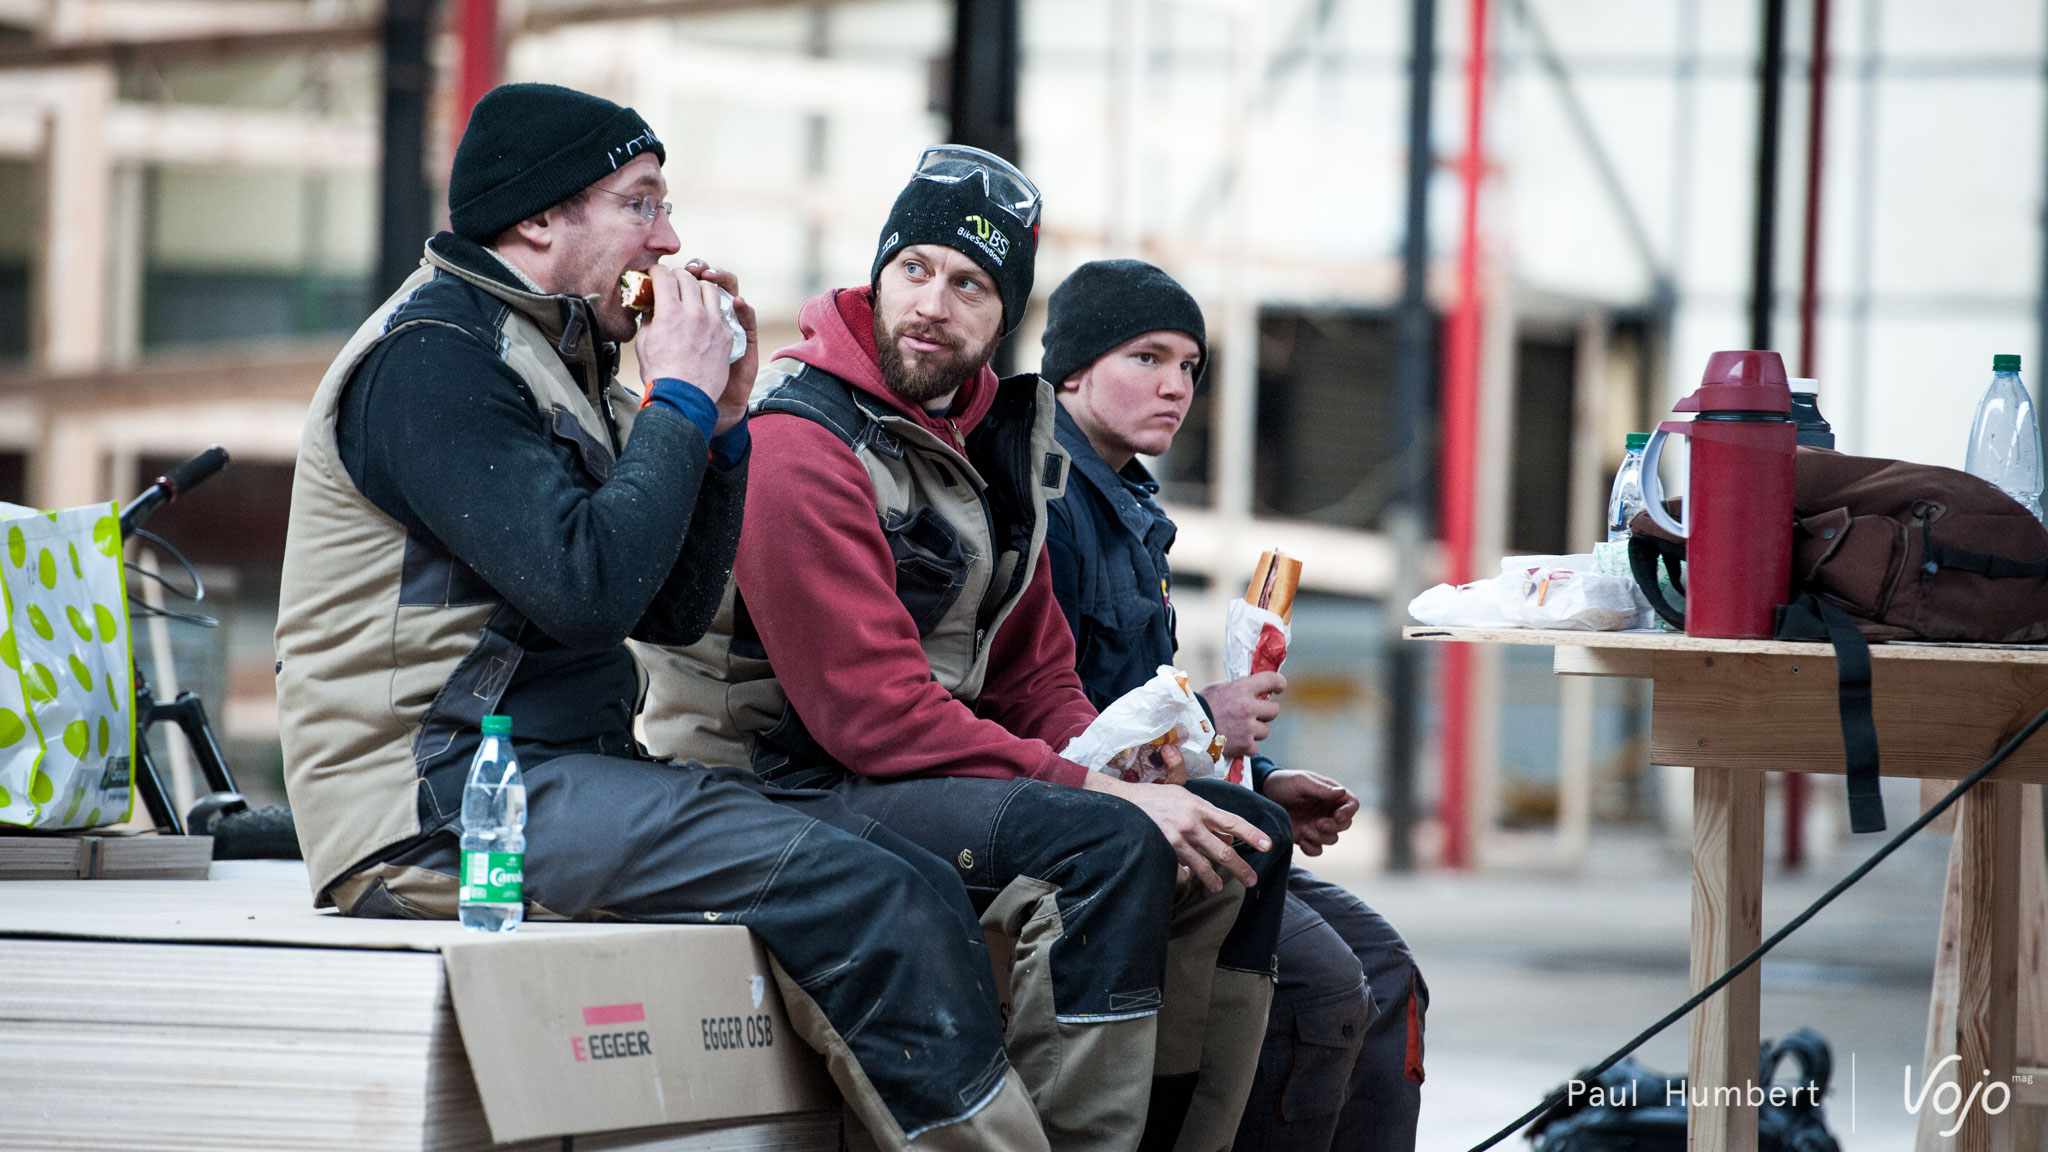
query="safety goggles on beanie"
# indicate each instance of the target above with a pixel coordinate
(1000, 180)
(977, 204)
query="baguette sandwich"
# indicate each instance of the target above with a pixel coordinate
(1274, 583)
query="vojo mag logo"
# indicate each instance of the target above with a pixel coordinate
(987, 237)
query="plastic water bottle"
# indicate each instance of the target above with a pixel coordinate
(2005, 442)
(1814, 429)
(1625, 499)
(493, 834)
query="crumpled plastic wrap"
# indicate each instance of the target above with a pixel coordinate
(1126, 739)
(1569, 592)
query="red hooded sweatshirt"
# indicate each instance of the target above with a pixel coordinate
(820, 585)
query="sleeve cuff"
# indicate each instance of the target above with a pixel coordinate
(729, 448)
(686, 400)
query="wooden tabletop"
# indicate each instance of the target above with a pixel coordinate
(1654, 640)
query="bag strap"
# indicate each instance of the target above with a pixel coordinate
(1643, 554)
(1812, 618)
(1995, 567)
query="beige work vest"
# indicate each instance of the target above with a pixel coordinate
(374, 677)
(714, 700)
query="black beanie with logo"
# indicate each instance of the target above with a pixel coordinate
(529, 147)
(1107, 302)
(961, 216)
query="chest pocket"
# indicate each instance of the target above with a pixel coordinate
(594, 456)
(931, 565)
(1122, 641)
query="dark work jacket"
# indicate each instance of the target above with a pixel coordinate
(1107, 540)
(581, 568)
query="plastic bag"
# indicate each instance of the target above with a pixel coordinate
(1566, 592)
(1125, 740)
(67, 696)
(1254, 640)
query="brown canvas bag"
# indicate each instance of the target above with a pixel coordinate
(1888, 550)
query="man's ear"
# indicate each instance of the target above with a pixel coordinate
(537, 230)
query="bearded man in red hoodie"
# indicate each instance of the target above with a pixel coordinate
(893, 637)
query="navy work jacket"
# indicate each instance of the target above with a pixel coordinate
(1107, 540)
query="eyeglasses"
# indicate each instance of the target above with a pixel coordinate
(1000, 179)
(645, 207)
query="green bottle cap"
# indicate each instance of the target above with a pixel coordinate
(1636, 441)
(497, 725)
(2005, 362)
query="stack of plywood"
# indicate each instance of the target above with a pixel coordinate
(104, 856)
(229, 1015)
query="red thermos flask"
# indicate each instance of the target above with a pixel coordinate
(1737, 520)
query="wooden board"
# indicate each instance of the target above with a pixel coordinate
(1765, 711)
(105, 857)
(108, 1045)
(1727, 924)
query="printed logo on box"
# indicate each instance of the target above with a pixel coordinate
(612, 1045)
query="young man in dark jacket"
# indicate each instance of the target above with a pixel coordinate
(893, 638)
(1342, 1064)
(481, 515)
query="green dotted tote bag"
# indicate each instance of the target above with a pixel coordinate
(67, 697)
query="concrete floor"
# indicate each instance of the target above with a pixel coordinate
(1534, 976)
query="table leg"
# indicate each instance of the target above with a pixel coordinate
(1727, 923)
(1987, 847)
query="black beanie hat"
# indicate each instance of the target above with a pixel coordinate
(1107, 302)
(529, 147)
(961, 216)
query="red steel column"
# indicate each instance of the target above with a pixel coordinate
(476, 30)
(1809, 336)
(1459, 448)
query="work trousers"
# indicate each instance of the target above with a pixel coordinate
(1341, 1068)
(875, 946)
(1118, 972)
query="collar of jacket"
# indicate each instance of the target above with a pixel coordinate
(564, 319)
(1131, 491)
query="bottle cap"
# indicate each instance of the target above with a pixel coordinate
(2005, 362)
(1637, 441)
(1741, 381)
(497, 725)
(1804, 385)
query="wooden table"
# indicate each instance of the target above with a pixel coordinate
(1731, 709)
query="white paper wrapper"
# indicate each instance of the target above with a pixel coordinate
(1254, 640)
(1124, 740)
(1569, 592)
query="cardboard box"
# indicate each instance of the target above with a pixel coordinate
(627, 1030)
(229, 1014)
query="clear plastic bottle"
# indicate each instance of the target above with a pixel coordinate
(1625, 499)
(493, 834)
(2005, 441)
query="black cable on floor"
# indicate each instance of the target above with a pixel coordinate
(1557, 1095)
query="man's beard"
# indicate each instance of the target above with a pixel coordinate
(938, 375)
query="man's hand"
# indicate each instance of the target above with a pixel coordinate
(687, 339)
(1319, 808)
(1201, 834)
(1243, 708)
(739, 379)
